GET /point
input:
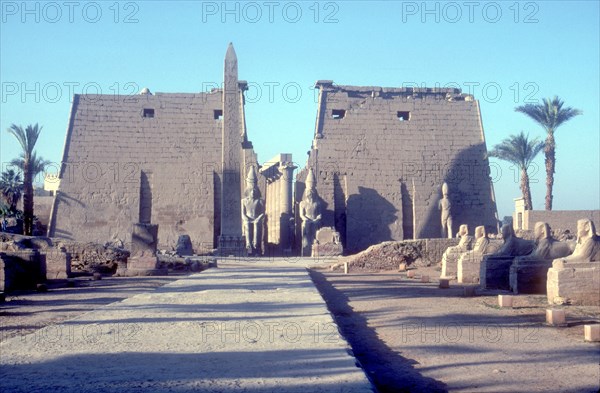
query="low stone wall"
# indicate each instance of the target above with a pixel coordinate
(559, 220)
(574, 283)
(92, 257)
(22, 269)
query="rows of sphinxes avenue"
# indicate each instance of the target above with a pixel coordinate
(564, 270)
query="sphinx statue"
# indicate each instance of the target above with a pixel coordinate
(513, 246)
(253, 214)
(309, 212)
(575, 279)
(495, 268)
(587, 248)
(468, 262)
(546, 247)
(445, 207)
(528, 273)
(451, 255)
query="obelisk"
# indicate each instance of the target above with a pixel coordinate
(231, 241)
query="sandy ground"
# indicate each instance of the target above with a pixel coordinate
(237, 328)
(408, 335)
(413, 336)
(26, 311)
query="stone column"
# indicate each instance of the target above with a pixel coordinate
(287, 170)
(230, 239)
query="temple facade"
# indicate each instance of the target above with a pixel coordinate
(379, 158)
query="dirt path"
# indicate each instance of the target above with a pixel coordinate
(241, 327)
(412, 336)
(26, 311)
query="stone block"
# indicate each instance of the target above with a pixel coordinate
(326, 250)
(494, 272)
(529, 277)
(591, 333)
(467, 267)
(424, 278)
(444, 283)
(144, 266)
(22, 269)
(469, 291)
(144, 238)
(410, 274)
(58, 264)
(505, 300)
(184, 246)
(555, 317)
(574, 283)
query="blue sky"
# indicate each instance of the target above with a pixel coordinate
(505, 53)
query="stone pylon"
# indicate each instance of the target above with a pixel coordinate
(231, 241)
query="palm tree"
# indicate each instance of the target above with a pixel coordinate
(521, 151)
(38, 164)
(11, 188)
(550, 114)
(27, 139)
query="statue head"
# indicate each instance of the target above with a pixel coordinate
(585, 230)
(251, 178)
(507, 232)
(480, 232)
(463, 230)
(542, 231)
(445, 190)
(310, 192)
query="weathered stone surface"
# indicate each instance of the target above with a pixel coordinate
(253, 214)
(93, 257)
(22, 269)
(144, 266)
(380, 155)
(327, 243)
(309, 210)
(528, 273)
(144, 240)
(469, 263)
(230, 238)
(451, 255)
(184, 246)
(495, 272)
(555, 317)
(574, 283)
(58, 264)
(389, 255)
(150, 158)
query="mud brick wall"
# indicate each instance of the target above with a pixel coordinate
(122, 166)
(378, 150)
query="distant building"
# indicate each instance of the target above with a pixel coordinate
(559, 220)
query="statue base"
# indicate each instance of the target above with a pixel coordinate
(494, 272)
(232, 246)
(529, 276)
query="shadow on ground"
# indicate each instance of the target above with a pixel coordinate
(388, 371)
